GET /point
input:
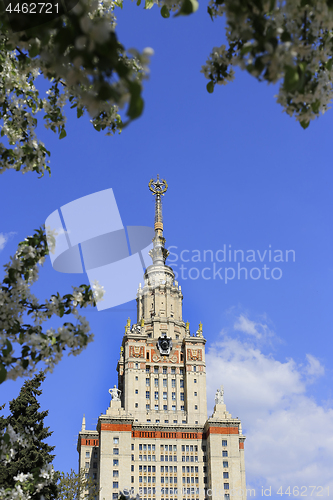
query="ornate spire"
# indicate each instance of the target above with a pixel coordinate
(159, 253)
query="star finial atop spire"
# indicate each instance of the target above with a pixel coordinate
(159, 253)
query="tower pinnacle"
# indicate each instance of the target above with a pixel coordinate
(159, 253)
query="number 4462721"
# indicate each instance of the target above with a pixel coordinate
(33, 8)
(304, 491)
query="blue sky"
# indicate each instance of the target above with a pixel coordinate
(240, 173)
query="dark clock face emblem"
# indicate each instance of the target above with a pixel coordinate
(164, 345)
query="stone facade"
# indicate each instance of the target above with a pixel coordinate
(155, 438)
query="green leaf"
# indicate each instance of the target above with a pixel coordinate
(62, 134)
(165, 12)
(315, 106)
(79, 112)
(149, 4)
(329, 64)
(291, 79)
(304, 124)
(3, 373)
(210, 87)
(138, 2)
(188, 7)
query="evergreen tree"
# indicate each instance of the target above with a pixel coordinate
(33, 454)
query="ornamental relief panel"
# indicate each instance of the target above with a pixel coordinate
(156, 357)
(194, 354)
(136, 351)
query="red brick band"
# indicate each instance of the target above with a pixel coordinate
(116, 427)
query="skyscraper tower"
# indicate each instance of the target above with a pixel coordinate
(155, 438)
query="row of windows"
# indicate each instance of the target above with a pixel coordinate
(95, 454)
(165, 408)
(165, 395)
(145, 447)
(145, 468)
(145, 458)
(149, 479)
(170, 469)
(165, 382)
(190, 480)
(164, 369)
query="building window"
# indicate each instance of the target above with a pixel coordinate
(147, 381)
(225, 475)
(182, 408)
(136, 378)
(224, 453)
(95, 465)
(87, 453)
(147, 369)
(115, 462)
(156, 408)
(136, 405)
(175, 421)
(165, 370)
(204, 449)
(87, 465)
(132, 479)
(116, 451)
(182, 396)
(224, 442)
(147, 394)
(136, 365)
(165, 382)
(156, 394)
(156, 382)
(182, 383)
(195, 380)
(147, 407)
(157, 421)
(116, 473)
(156, 369)
(95, 454)
(174, 409)
(195, 393)
(173, 382)
(115, 484)
(147, 355)
(115, 496)
(173, 395)
(194, 368)
(132, 468)
(136, 391)
(195, 407)
(132, 458)
(165, 407)
(181, 371)
(173, 370)
(226, 486)
(116, 440)
(165, 395)
(226, 496)
(225, 464)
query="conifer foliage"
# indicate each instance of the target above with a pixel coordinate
(32, 454)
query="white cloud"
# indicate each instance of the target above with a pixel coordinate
(256, 329)
(4, 237)
(289, 435)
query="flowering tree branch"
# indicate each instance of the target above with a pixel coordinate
(278, 41)
(23, 345)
